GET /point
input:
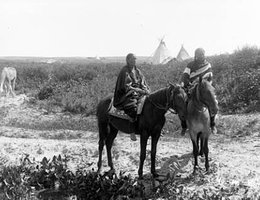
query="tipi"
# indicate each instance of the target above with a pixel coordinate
(97, 57)
(161, 55)
(183, 54)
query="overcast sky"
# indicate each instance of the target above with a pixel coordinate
(116, 27)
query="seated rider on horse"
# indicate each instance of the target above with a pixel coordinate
(130, 87)
(200, 67)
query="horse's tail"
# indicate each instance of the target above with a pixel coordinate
(102, 120)
(103, 106)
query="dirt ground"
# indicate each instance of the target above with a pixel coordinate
(234, 152)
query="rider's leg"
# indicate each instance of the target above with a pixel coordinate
(133, 114)
(213, 124)
(183, 126)
(212, 114)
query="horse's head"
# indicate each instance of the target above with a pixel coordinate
(178, 98)
(207, 95)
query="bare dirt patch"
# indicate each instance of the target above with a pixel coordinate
(234, 152)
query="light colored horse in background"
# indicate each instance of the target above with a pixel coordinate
(8, 79)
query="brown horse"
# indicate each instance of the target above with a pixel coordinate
(150, 123)
(202, 101)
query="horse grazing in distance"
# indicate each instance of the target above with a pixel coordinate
(150, 123)
(8, 79)
(201, 102)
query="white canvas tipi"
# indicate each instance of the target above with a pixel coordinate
(183, 54)
(161, 55)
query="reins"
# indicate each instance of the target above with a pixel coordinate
(160, 107)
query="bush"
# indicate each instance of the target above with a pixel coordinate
(236, 78)
(51, 179)
(45, 93)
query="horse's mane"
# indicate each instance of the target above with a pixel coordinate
(203, 83)
(158, 94)
(210, 87)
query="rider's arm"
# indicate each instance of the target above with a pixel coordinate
(131, 87)
(144, 88)
(208, 75)
(186, 77)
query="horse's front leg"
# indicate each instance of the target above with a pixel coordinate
(155, 138)
(9, 88)
(195, 155)
(206, 152)
(143, 144)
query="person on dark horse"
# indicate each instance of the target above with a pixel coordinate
(130, 88)
(197, 68)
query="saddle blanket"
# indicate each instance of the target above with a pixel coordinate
(121, 114)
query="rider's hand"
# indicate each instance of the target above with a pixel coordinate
(141, 91)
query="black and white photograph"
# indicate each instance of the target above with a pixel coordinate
(129, 100)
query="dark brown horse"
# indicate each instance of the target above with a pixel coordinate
(150, 123)
(202, 101)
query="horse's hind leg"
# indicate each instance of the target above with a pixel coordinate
(103, 131)
(109, 142)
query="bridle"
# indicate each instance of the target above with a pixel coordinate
(169, 98)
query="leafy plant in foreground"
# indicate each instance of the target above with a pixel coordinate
(52, 179)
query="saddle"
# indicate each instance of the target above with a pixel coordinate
(121, 114)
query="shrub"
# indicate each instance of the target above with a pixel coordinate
(52, 179)
(45, 93)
